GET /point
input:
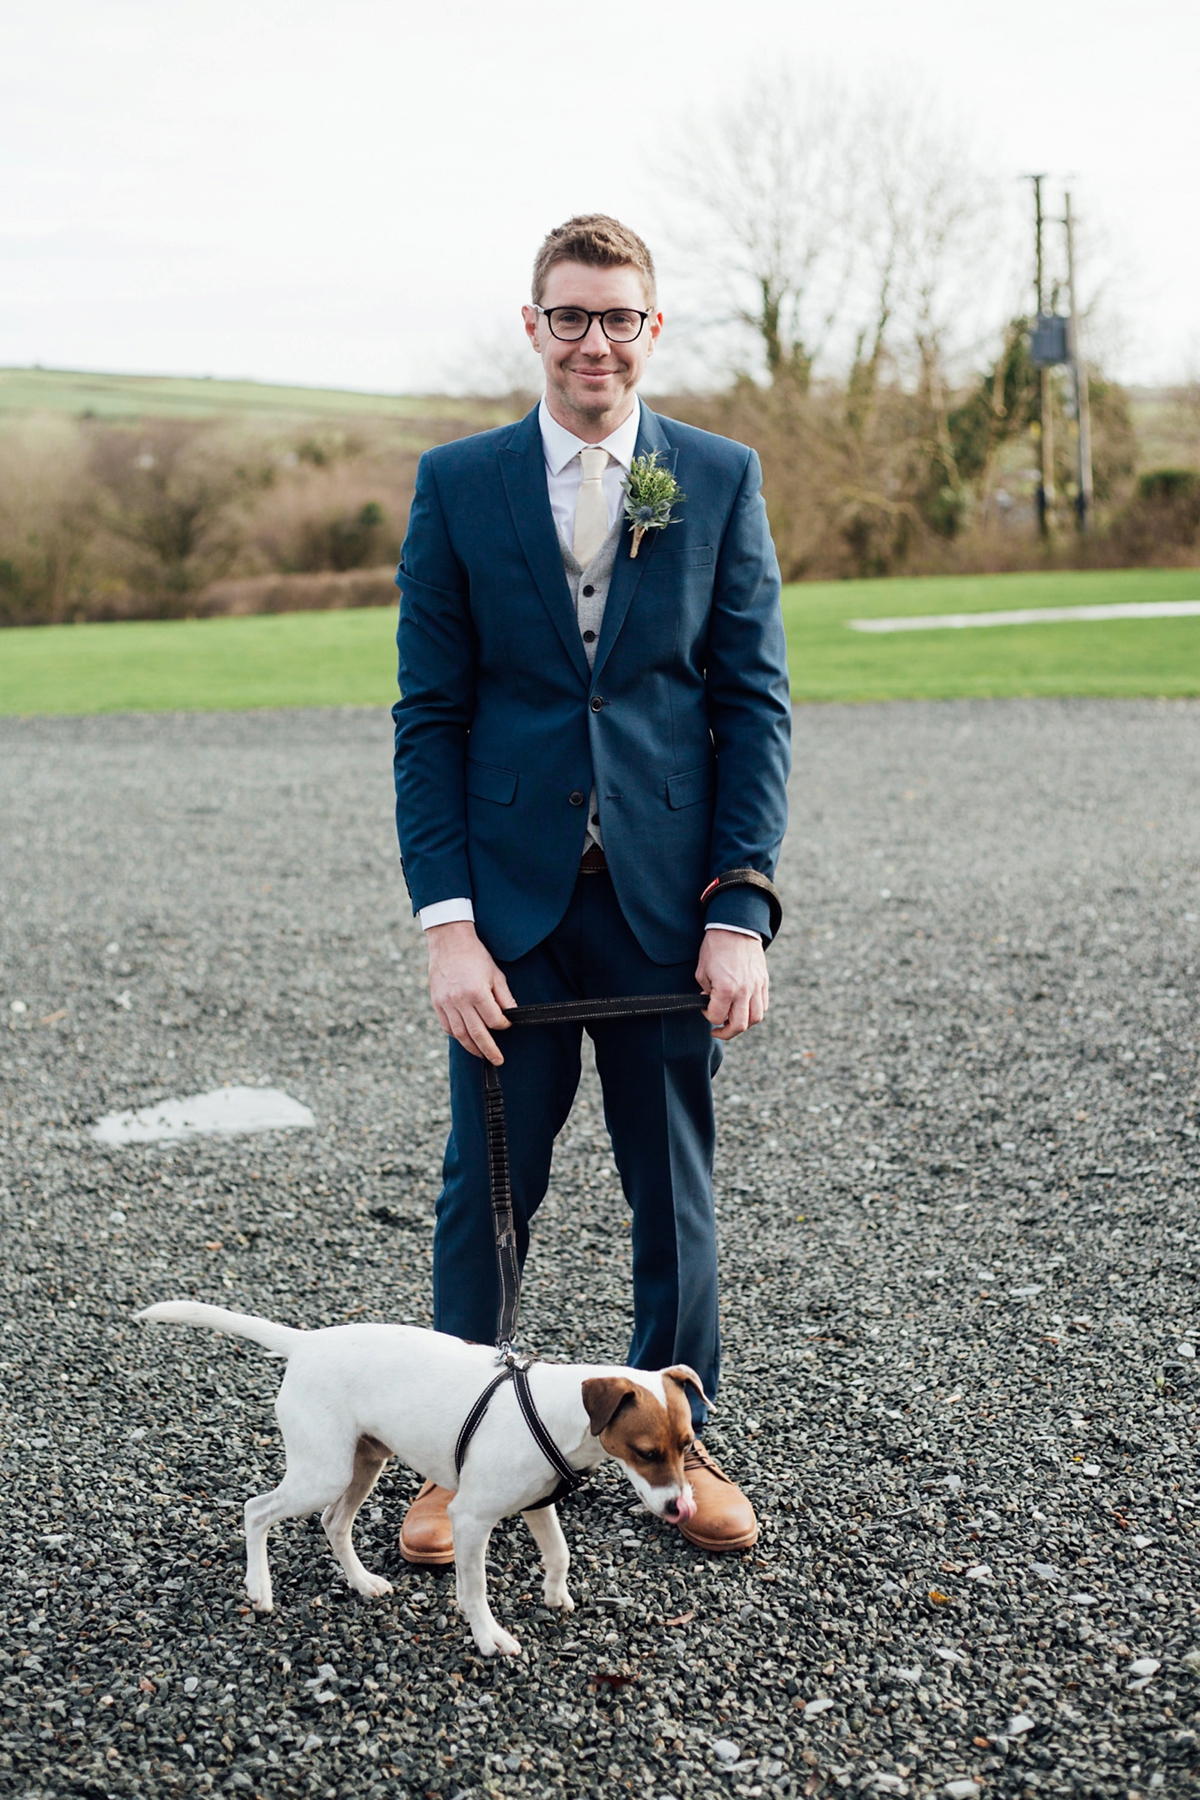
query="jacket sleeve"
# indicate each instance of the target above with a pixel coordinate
(436, 646)
(749, 706)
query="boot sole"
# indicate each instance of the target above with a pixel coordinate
(427, 1559)
(742, 1543)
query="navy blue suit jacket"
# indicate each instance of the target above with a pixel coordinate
(683, 724)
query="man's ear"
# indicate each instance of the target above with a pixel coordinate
(604, 1396)
(688, 1378)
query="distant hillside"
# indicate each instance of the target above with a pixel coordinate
(130, 397)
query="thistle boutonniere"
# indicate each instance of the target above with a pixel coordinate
(650, 493)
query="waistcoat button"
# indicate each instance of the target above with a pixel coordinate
(588, 592)
(576, 798)
(589, 637)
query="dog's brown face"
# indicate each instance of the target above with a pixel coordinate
(648, 1437)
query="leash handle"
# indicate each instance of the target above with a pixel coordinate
(577, 1012)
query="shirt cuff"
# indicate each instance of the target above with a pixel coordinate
(445, 912)
(713, 925)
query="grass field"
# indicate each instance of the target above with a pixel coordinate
(348, 658)
(1127, 656)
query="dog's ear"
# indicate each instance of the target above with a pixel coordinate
(688, 1378)
(604, 1396)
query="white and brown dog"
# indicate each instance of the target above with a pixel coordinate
(355, 1395)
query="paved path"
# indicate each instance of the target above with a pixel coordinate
(958, 1205)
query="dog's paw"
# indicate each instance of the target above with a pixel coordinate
(373, 1586)
(493, 1640)
(557, 1598)
(262, 1602)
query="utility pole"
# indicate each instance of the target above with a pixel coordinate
(1083, 414)
(1045, 496)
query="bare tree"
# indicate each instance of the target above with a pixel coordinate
(933, 243)
(856, 244)
(764, 225)
(839, 232)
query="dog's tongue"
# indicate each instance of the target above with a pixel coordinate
(683, 1508)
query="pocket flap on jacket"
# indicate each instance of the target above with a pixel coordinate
(486, 783)
(686, 553)
(691, 786)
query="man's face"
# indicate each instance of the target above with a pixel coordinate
(592, 381)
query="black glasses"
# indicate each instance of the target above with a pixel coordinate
(620, 324)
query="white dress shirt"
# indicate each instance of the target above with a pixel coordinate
(564, 471)
(564, 477)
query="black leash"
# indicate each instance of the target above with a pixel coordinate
(516, 1368)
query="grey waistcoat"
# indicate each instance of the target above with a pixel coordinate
(589, 610)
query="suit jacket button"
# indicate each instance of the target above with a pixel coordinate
(576, 798)
(598, 704)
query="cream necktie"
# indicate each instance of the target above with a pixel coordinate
(591, 508)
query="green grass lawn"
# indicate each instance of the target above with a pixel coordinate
(202, 665)
(1127, 656)
(348, 658)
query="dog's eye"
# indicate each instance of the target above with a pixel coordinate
(650, 1456)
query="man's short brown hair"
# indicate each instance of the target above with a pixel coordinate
(597, 241)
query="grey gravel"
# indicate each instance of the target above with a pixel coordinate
(957, 1200)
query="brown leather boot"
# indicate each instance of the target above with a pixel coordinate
(724, 1518)
(425, 1536)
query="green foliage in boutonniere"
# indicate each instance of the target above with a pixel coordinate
(650, 493)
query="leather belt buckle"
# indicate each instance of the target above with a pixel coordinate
(593, 861)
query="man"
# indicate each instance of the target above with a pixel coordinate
(587, 740)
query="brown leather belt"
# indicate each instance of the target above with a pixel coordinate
(593, 861)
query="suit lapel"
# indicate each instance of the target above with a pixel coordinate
(523, 471)
(627, 570)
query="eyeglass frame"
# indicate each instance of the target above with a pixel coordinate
(547, 310)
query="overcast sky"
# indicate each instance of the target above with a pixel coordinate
(349, 193)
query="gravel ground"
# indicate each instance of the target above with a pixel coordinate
(957, 1200)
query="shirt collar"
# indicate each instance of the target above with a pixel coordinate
(559, 445)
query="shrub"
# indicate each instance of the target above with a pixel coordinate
(1163, 518)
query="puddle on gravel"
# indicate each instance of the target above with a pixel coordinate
(226, 1112)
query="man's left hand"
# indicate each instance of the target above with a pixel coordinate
(733, 973)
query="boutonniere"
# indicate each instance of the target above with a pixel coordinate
(650, 493)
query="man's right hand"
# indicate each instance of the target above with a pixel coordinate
(467, 988)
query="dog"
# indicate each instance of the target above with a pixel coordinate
(356, 1395)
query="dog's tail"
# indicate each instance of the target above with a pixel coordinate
(280, 1340)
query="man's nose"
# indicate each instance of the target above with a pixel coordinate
(594, 340)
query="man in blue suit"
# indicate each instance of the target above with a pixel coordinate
(587, 741)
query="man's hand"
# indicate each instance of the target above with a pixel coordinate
(733, 973)
(467, 989)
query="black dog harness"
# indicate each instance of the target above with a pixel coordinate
(515, 1368)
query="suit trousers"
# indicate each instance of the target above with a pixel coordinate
(656, 1074)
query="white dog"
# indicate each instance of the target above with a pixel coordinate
(355, 1395)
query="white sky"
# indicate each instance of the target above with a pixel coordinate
(350, 193)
